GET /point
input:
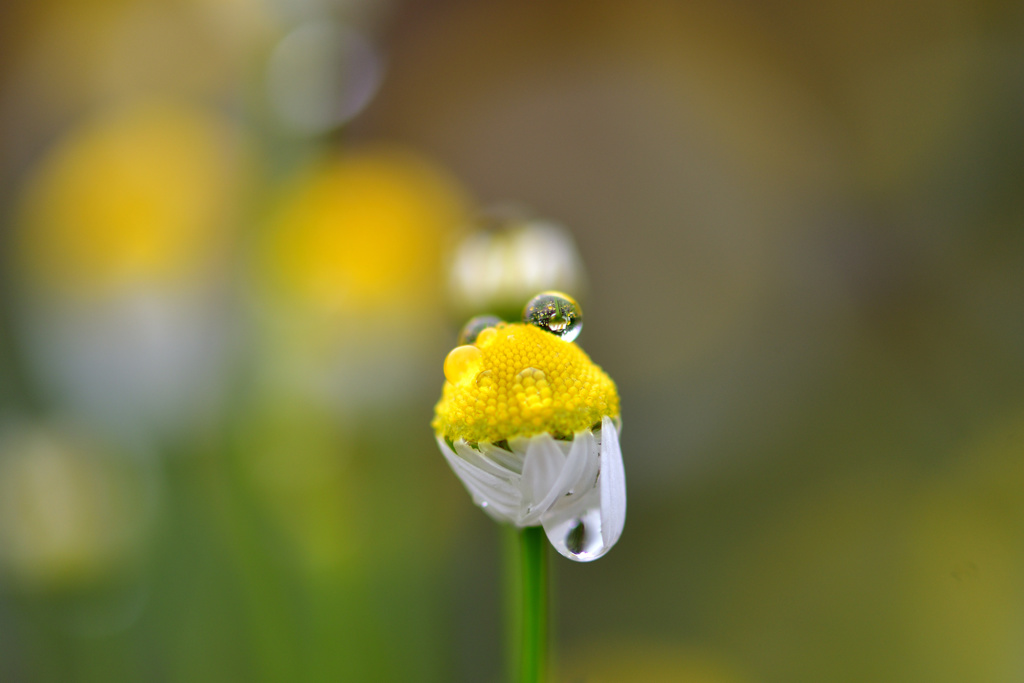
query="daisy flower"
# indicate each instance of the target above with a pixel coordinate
(530, 425)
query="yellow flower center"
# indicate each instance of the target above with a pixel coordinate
(518, 380)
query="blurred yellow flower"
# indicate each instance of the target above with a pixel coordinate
(132, 197)
(364, 231)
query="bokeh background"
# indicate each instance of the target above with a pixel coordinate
(226, 235)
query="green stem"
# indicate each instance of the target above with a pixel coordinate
(533, 603)
(512, 598)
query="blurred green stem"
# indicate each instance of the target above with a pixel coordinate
(527, 600)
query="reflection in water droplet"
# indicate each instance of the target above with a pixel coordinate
(472, 329)
(463, 362)
(555, 312)
(579, 537)
(574, 539)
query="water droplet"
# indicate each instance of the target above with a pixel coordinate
(486, 336)
(472, 329)
(530, 376)
(462, 363)
(555, 312)
(579, 538)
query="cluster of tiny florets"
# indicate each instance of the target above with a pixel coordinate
(525, 381)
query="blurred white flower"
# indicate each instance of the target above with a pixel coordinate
(512, 258)
(120, 246)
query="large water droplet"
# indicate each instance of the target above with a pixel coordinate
(463, 362)
(472, 329)
(555, 312)
(579, 537)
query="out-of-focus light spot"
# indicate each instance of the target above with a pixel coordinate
(509, 260)
(321, 75)
(133, 197)
(70, 515)
(364, 233)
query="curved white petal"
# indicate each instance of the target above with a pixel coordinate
(585, 523)
(503, 500)
(581, 465)
(483, 487)
(520, 445)
(573, 522)
(541, 469)
(612, 481)
(512, 462)
(498, 487)
(477, 459)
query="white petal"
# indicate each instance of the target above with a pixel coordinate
(477, 459)
(584, 525)
(520, 445)
(501, 487)
(541, 469)
(502, 498)
(585, 478)
(510, 461)
(612, 482)
(581, 464)
(573, 523)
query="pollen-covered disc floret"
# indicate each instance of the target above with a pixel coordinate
(531, 427)
(523, 381)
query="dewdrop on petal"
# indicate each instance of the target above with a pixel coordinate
(530, 425)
